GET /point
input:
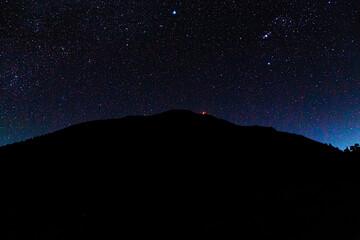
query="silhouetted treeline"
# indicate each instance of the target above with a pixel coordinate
(353, 149)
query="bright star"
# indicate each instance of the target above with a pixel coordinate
(266, 35)
(174, 12)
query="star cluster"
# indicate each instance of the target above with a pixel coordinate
(290, 64)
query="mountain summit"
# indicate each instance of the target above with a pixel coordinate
(176, 174)
(177, 130)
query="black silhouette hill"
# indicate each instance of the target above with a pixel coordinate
(178, 130)
(176, 175)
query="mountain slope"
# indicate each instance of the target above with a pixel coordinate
(175, 130)
(176, 175)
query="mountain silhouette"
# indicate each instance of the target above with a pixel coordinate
(178, 130)
(177, 174)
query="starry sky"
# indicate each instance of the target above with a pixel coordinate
(290, 64)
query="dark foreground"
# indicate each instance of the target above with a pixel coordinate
(177, 175)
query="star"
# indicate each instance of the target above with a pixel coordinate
(265, 36)
(81, 52)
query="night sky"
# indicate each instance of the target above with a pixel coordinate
(290, 64)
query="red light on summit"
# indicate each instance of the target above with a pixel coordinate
(203, 113)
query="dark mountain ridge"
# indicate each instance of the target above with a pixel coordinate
(176, 175)
(173, 129)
